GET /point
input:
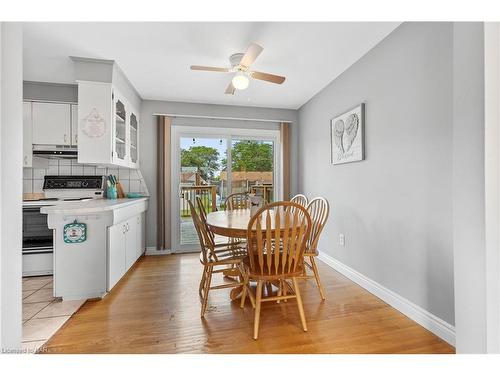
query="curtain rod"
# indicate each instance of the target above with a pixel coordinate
(220, 118)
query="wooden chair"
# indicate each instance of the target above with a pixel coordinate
(237, 201)
(268, 262)
(203, 216)
(300, 199)
(233, 272)
(318, 210)
(213, 255)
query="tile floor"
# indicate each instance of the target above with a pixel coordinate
(43, 314)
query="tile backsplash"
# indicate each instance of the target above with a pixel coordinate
(131, 179)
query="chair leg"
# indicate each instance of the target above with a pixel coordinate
(206, 291)
(299, 303)
(250, 294)
(244, 293)
(269, 288)
(257, 310)
(318, 280)
(202, 281)
(280, 288)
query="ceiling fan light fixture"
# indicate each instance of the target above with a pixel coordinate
(240, 81)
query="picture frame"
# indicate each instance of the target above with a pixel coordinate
(347, 136)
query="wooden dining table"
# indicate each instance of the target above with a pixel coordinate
(233, 224)
(230, 223)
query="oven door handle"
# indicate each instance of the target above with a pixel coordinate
(46, 251)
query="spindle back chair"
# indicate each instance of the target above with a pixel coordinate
(224, 255)
(300, 199)
(318, 210)
(277, 237)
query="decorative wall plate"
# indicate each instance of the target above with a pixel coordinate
(93, 125)
(75, 232)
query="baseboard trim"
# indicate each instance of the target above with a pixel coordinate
(423, 317)
(151, 250)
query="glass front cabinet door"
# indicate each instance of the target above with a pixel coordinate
(108, 126)
(120, 130)
(134, 138)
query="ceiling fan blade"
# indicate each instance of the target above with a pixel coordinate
(209, 68)
(230, 89)
(268, 77)
(250, 55)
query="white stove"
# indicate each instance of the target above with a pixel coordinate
(37, 237)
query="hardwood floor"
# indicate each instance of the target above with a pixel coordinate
(155, 308)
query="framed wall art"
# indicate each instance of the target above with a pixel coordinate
(347, 136)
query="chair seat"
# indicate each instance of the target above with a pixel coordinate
(229, 255)
(311, 254)
(273, 275)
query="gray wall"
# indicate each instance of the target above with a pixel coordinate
(148, 138)
(395, 207)
(468, 188)
(55, 92)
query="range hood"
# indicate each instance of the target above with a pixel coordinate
(55, 152)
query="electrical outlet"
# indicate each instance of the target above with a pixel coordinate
(342, 239)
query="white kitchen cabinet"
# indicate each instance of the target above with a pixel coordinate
(117, 243)
(51, 123)
(125, 244)
(91, 268)
(141, 235)
(27, 135)
(108, 126)
(131, 249)
(74, 125)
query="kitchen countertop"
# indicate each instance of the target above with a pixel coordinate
(91, 206)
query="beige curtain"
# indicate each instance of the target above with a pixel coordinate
(163, 183)
(285, 157)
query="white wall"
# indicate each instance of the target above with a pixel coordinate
(148, 138)
(395, 207)
(492, 181)
(469, 187)
(11, 134)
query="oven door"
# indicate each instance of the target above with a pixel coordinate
(37, 237)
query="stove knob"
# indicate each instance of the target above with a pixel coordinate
(85, 184)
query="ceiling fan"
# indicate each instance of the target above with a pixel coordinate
(240, 65)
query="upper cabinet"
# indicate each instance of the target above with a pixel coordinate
(47, 124)
(51, 124)
(107, 126)
(27, 135)
(108, 114)
(74, 125)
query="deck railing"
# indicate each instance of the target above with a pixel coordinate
(207, 193)
(265, 191)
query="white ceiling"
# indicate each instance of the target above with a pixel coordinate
(156, 56)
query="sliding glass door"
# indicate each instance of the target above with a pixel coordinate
(214, 163)
(252, 167)
(202, 162)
